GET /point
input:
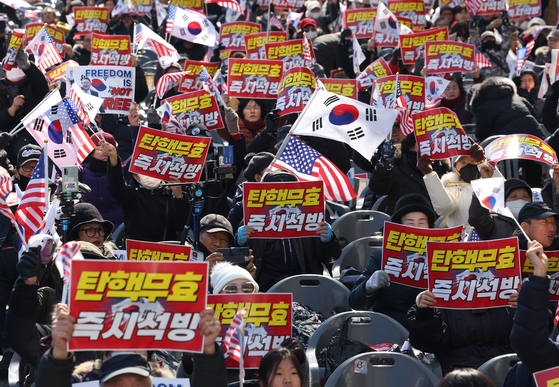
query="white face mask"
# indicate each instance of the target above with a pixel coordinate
(311, 35)
(15, 74)
(515, 206)
(149, 182)
(315, 15)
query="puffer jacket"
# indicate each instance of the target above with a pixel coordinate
(450, 196)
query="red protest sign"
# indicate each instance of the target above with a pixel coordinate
(198, 107)
(284, 210)
(254, 43)
(192, 81)
(150, 251)
(13, 47)
(253, 78)
(231, 35)
(193, 4)
(552, 271)
(290, 52)
(449, 57)
(413, 45)
(360, 22)
(345, 87)
(439, 134)
(137, 305)
(91, 19)
(378, 69)
(58, 36)
(413, 90)
(289, 4)
(524, 8)
(411, 9)
(490, 7)
(473, 275)
(164, 155)
(520, 146)
(267, 322)
(112, 50)
(547, 378)
(295, 90)
(59, 71)
(403, 251)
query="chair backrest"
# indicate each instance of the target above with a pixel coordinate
(322, 294)
(497, 368)
(367, 327)
(356, 254)
(358, 224)
(382, 369)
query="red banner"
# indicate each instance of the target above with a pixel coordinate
(295, 90)
(411, 9)
(413, 89)
(413, 45)
(449, 57)
(137, 305)
(91, 19)
(112, 50)
(164, 155)
(378, 69)
(59, 71)
(291, 52)
(360, 22)
(198, 107)
(345, 87)
(520, 146)
(403, 254)
(524, 8)
(56, 35)
(194, 4)
(231, 35)
(254, 43)
(552, 271)
(150, 251)
(439, 134)
(253, 78)
(13, 47)
(289, 4)
(192, 81)
(284, 210)
(267, 322)
(473, 275)
(490, 7)
(547, 378)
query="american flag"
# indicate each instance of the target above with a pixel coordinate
(165, 111)
(42, 46)
(523, 53)
(474, 5)
(307, 51)
(474, 236)
(276, 23)
(307, 164)
(170, 18)
(32, 14)
(167, 81)
(233, 337)
(29, 213)
(159, 45)
(556, 318)
(406, 122)
(79, 138)
(82, 112)
(68, 252)
(5, 192)
(480, 59)
(228, 4)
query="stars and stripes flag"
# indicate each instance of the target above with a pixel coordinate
(210, 85)
(171, 10)
(87, 105)
(406, 122)
(523, 53)
(474, 236)
(76, 134)
(145, 37)
(233, 338)
(29, 213)
(167, 81)
(165, 111)
(556, 318)
(474, 5)
(307, 51)
(5, 191)
(480, 59)
(307, 164)
(31, 14)
(42, 46)
(276, 23)
(232, 4)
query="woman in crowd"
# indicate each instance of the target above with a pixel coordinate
(249, 118)
(280, 367)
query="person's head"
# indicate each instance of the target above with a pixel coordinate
(462, 32)
(442, 22)
(308, 26)
(413, 210)
(88, 225)
(48, 15)
(215, 232)
(313, 10)
(465, 377)
(466, 168)
(517, 195)
(528, 80)
(27, 159)
(86, 83)
(536, 21)
(227, 278)
(110, 4)
(397, 134)
(125, 370)
(126, 20)
(488, 40)
(280, 366)
(257, 163)
(461, 14)
(251, 110)
(99, 139)
(454, 90)
(553, 40)
(538, 222)
(447, 13)
(488, 18)
(173, 68)
(279, 175)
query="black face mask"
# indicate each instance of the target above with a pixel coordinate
(490, 45)
(469, 172)
(22, 182)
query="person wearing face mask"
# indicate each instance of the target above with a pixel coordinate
(451, 195)
(310, 28)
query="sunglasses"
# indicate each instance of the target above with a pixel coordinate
(247, 287)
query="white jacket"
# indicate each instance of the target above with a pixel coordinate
(450, 196)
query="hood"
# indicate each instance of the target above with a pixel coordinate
(452, 179)
(492, 89)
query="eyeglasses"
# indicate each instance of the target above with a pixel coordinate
(90, 232)
(27, 168)
(253, 107)
(247, 287)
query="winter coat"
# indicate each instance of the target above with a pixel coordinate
(393, 301)
(499, 110)
(450, 197)
(332, 55)
(490, 225)
(496, 56)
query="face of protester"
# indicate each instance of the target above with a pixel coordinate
(27, 169)
(126, 20)
(239, 285)
(397, 135)
(93, 233)
(214, 240)
(465, 160)
(415, 219)
(527, 82)
(87, 42)
(448, 15)
(442, 22)
(553, 43)
(285, 374)
(48, 15)
(518, 194)
(110, 4)
(542, 230)
(128, 380)
(252, 111)
(462, 16)
(100, 154)
(452, 91)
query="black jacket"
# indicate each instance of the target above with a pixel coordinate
(490, 225)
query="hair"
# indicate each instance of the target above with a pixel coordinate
(460, 8)
(270, 363)
(243, 104)
(460, 29)
(466, 377)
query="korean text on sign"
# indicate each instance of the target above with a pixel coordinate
(291, 53)
(192, 81)
(552, 271)
(413, 45)
(296, 88)
(254, 43)
(253, 78)
(232, 35)
(112, 50)
(150, 251)
(197, 107)
(520, 146)
(91, 19)
(449, 57)
(413, 89)
(345, 87)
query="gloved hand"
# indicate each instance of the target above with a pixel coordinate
(378, 280)
(386, 159)
(242, 235)
(505, 18)
(29, 264)
(5, 139)
(476, 151)
(232, 120)
(328, 236)
(424, 165)
(473, 22)
(272, 120)
(22, 59)
(345, 34)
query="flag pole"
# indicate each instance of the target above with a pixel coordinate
(268, 25)
(46, 162)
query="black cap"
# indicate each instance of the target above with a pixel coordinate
(29, 152)
(85, 213)
(212, 223)
(412, 203)
(279, 175)
(535, 210)
(124, 364)
(256, 164)
(512, 184)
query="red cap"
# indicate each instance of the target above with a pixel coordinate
(307, 21)
(100, 137)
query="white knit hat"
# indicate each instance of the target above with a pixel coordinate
(225, 272)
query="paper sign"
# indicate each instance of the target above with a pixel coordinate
(290, 52)
(91, 19)
(252, 78)
(198, 107)
(449, 57)
(378, 69)
(345, 87)
(112, 50)
(192, 81)
(232, 35)
(296, 88)
(520, 146)
(413, 45)
(57, 35)
(150, 251)
(552, 271)
(254, 43)
(413, 90)
(360, 22)
(412, 9)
